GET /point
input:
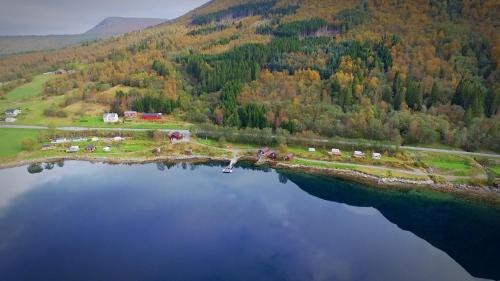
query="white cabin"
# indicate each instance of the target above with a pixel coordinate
(73, 148)
(358, 154)
(110, 117)
(335, 151)
(13, 112)
(312, 149)
(376, 155)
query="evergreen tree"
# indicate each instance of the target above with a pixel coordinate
(398, 92)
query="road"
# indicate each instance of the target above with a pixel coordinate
(188, 133)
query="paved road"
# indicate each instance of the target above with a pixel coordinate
(188, 133)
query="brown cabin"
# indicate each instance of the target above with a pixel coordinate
(176, 136)
(90, 148)
(264, 151)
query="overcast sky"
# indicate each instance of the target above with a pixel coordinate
(40, 17)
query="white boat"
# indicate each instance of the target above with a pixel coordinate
(227, 170)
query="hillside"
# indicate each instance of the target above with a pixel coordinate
(413, 72)
(108, 27)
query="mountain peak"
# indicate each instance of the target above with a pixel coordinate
(119, 25)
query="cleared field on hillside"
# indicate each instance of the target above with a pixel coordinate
(29, 90)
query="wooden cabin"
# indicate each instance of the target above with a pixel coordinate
(176, 136)
(90, 148)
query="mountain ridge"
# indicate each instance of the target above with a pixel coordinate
(108, 27)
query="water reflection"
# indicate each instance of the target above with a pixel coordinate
(167, 221)
(470, 234)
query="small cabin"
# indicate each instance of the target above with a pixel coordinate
(130, 114)
(90, 148)
(73, 149)
(358, 154)
(60, 140)
(271, 155)
(47, 147)
(10, 119)
(176, 136)
(79, 139)
(376, 156)
(60, 72)
(106, 149)
(118, 138)
(110, 117)
(335, 152)
(311, 149)
(263, 151)
(151, 116)
(94, 139)
(13, 112)
(288, 157)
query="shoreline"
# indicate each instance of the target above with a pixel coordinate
(484, 193)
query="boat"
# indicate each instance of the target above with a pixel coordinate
(227, 170)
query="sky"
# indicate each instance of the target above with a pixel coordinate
(41, 17)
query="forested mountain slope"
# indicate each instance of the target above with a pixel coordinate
(410, 71)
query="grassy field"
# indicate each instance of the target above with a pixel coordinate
(456, 165)
(10, 140)
(28, 90)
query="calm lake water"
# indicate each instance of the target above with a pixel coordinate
(87, 221)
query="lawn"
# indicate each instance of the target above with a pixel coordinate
(496, 169)
(456, 165)
(10, 140)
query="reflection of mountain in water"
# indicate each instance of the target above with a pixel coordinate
(470, 234)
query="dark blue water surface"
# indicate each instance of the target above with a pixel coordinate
(88, 221)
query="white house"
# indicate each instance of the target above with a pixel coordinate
(335, 152)
(358, 154)
(376, 155)
(73, 148)
(10, 119)
(57, 141)
(80, 139)
(13, 112)
(312, 149)
(110, 117)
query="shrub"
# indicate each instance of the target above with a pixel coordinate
(28, 144)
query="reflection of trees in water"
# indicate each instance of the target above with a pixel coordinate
(48, 166)
(35, 168)
(60, 163)
(469, 233)
(282, 178)
(160, 166)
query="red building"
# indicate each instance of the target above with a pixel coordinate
(151, 116)
(288, 157)
(130, 114)
(176, 136)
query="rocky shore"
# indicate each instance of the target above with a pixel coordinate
(490, 193)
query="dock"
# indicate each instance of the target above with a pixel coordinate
(229, 168)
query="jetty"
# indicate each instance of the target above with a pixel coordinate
(229, 168)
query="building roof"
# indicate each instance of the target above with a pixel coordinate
(151, 114)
